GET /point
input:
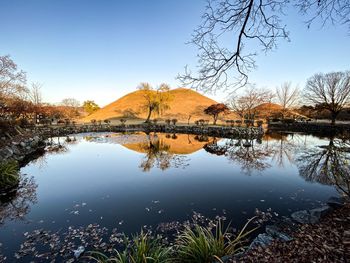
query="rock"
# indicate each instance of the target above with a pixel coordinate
(320, 212)
(276, 232)
(22, 144)
(304, 217)
(224, 259)
(301, 217)
(15, 150)
(6, 153)
(336, 201)
(262, 240)
(79, 251)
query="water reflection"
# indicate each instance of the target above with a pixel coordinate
(160, 150)
(159, 154)
(328, 164)
(17, 204)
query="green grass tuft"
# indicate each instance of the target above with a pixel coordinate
(143, 248)
(192, 245)
(9, 174)
(204, 245)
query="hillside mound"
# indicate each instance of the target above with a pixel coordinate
(184, 103)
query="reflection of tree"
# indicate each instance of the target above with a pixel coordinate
(158, 155)
(328, 164)
(54, 146)
(283, 147)
(257, 154)
(249, 154)
(16, 204)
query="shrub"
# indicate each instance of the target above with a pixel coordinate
(99, 122)
(238, 122)
(23, 122)
(122, 121)
(196, 122)
(288, 121)
(60, 122)
(230, 122)
(107, 121)
(168, 121)
(174, 121)
(93, 121)
(275, 120)
(249, 122)
(202, 122)
(260, 123)
(155, 121)
(9, 174)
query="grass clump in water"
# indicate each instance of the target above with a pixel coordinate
(9, 174)
(143, 248)
(206, 245)
(196, 244)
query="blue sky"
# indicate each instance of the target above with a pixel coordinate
(101, 50)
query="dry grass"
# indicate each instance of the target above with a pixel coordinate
(184, 102)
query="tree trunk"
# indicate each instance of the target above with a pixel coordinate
(215, 119)
(149, 115)
(334, 117)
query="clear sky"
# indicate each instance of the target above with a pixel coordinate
(101, 50)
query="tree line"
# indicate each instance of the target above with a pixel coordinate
(323, 92)
(22, 103)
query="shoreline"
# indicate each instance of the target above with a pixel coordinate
(22, 146)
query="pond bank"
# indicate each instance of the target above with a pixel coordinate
(21, 146)
(316, 128)
(327, 240)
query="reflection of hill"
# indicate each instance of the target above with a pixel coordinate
(177, 144)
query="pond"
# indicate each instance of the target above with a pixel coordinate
(126, 181)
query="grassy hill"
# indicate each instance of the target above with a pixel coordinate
(184, 102)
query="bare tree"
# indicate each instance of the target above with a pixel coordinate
(12, 80)
(35, 98)
(164, 97)
(70, 102)
(71, 107)
(287, 96)
(246, 105)
(35, 95)
(255, 24)
(330, 91)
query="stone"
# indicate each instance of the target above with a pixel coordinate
(320, 212)
(276, 232)
(336, 201)
(262, 240)
(304, 217)
(79, 251)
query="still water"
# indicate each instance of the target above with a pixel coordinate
(126, 181)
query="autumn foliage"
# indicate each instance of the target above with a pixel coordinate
(215, 110)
